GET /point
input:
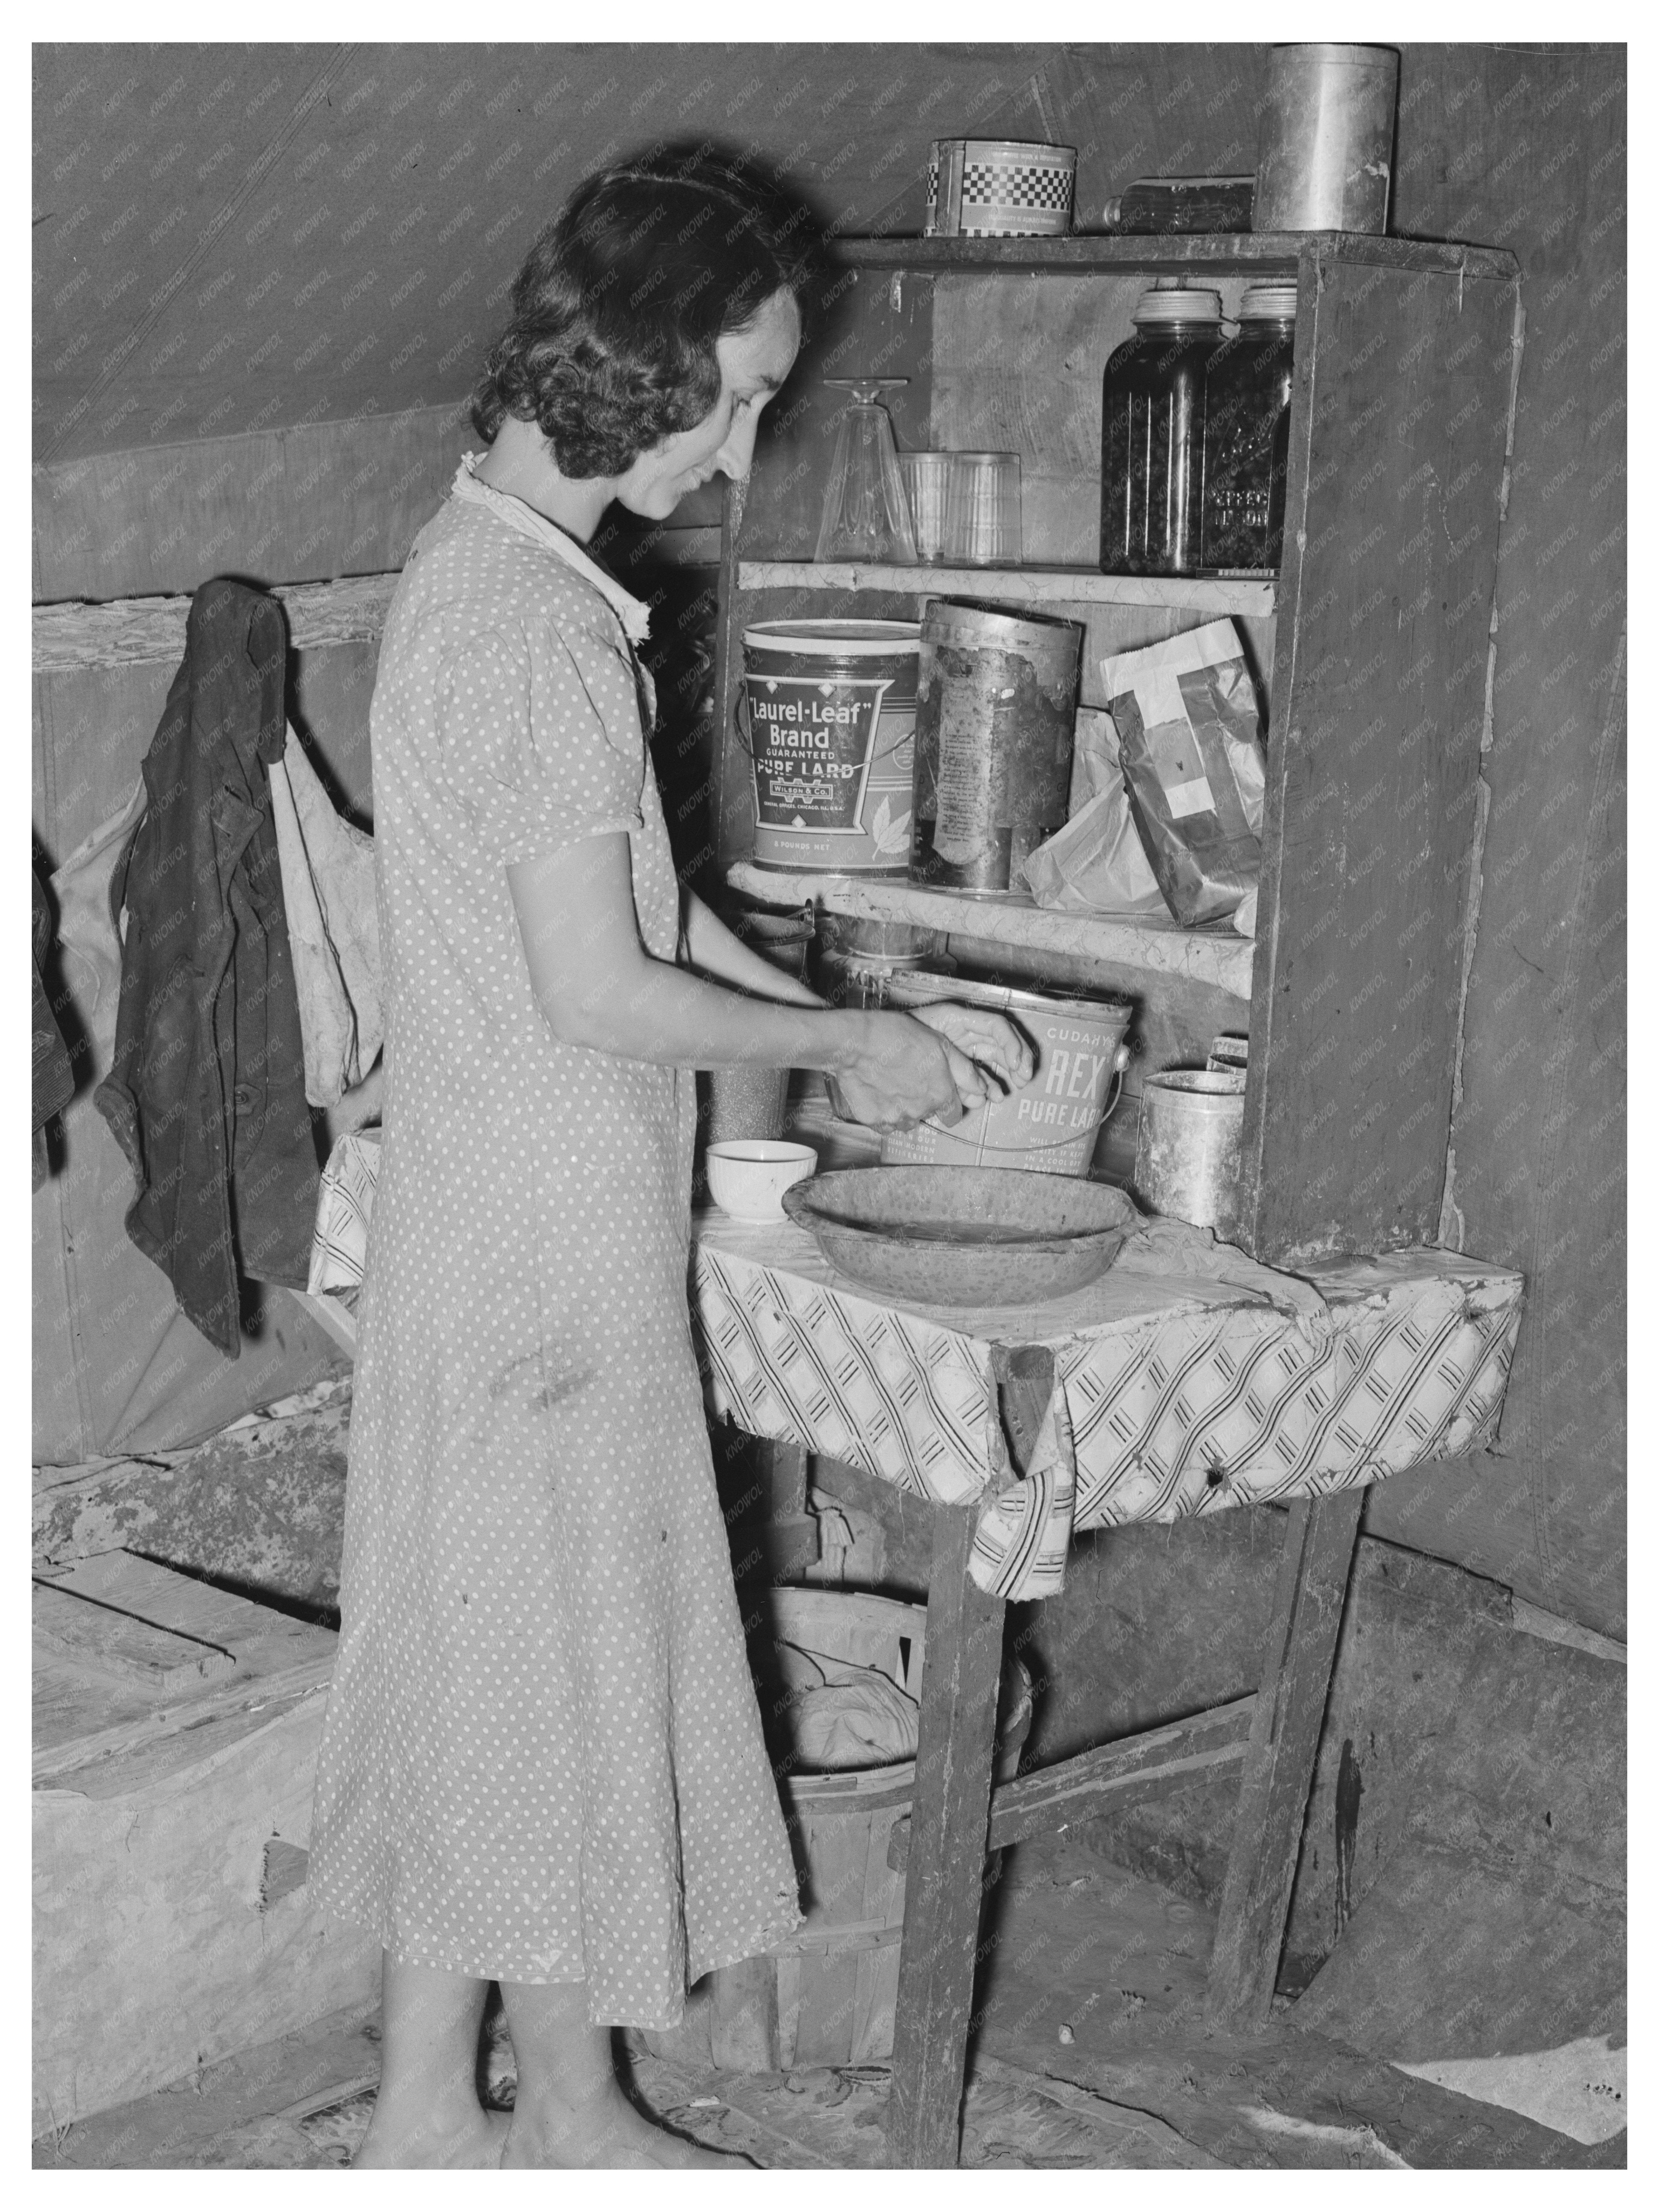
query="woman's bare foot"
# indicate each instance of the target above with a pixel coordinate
(606, 2131)
(427, 2112)
(447, 2142)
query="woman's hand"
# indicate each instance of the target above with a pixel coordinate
(991, 1040)
(900, 1072)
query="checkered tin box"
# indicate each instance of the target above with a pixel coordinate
(999, 188)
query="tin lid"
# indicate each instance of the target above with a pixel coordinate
(1268, 303)
(872, 638)
(1180, 305)
(1038, 151)
(981, 621)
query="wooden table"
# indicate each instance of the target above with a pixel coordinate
(1187, 1380)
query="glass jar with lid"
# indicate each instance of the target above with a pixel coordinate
(1151, 452)
(1247, 433)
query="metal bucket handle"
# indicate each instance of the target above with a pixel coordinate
(746, 737)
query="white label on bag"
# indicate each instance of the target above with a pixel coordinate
(1193, 798)
(1158, 694)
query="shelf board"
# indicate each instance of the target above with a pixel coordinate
(1217, 595)
(1158, 949)
(1219, 252)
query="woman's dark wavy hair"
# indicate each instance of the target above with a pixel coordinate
(616, 310)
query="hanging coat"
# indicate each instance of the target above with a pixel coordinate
(206, 1094)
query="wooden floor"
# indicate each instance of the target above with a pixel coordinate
(1092, 2053)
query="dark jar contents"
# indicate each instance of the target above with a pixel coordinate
(1247, 433)
(1151, 447)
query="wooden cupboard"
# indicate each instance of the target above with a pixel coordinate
(1372, 648)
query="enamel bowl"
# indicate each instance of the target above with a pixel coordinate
(748, 1176)
(962, 1235)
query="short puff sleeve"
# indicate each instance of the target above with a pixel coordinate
(540, 738)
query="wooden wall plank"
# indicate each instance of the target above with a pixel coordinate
(73, 636)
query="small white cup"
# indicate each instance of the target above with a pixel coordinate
(748, 1176)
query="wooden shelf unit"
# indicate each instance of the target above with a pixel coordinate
(1371, 648)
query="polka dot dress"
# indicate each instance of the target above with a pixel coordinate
(542, 1760)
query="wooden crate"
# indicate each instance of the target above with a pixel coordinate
(175, 1743)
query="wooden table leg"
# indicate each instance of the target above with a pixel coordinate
(1273, 1801)
(792, 1533)
(944, 1877)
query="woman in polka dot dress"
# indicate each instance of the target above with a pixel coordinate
(542, 1763)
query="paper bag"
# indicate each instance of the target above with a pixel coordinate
(1096, 864)
(1189, 742)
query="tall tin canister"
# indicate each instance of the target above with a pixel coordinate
(827, 713)
(1325, 146)
(996, 707)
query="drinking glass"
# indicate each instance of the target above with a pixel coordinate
(981, 527)
(928, 486)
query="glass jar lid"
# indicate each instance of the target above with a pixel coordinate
(1268, 303)
(1179, 306)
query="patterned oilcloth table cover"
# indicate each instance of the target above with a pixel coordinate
(1188, 1379)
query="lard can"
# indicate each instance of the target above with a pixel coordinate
(828, 713)
(1051, 1124)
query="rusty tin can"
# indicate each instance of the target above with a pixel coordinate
(996, 708)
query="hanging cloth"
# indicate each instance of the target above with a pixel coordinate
(333, 929)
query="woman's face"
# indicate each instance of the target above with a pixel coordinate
(754, 363)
